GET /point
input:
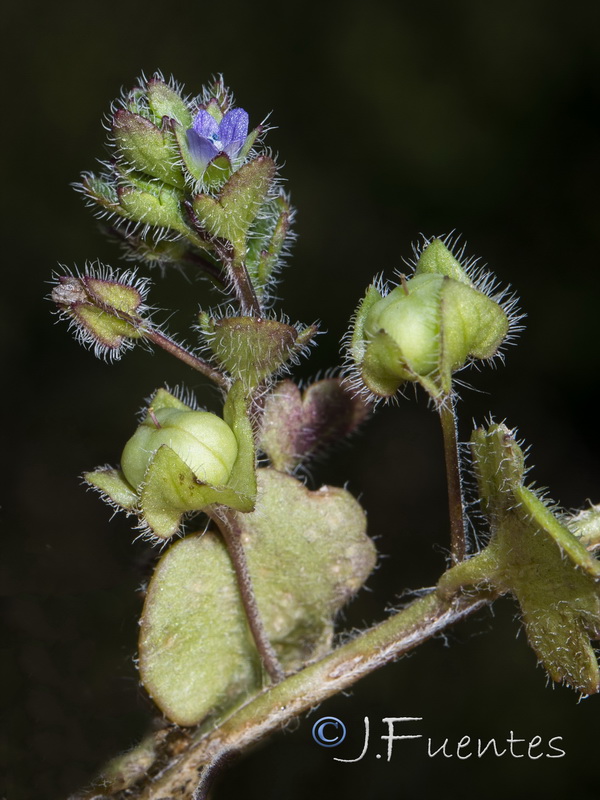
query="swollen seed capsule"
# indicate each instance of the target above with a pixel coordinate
(424, 330)
(202, 440)
(410, 316)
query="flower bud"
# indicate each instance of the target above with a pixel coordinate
(426, 328)
(251, 348)
(104, 306)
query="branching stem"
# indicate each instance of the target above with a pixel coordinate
(231, 531)
(170, 346)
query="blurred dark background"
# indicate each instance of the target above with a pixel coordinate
(392, 119)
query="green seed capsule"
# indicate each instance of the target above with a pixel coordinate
(202, 440)
(426, 328)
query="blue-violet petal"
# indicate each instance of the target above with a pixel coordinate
(206, 125)
(233, 130)
(202, 149)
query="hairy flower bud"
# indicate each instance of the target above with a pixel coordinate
(251, 348)
(105, 307)
(426, 328)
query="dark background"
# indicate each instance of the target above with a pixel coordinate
(393, 119)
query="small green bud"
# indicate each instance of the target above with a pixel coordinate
(426, 328)
(250, 348)
(104, 307)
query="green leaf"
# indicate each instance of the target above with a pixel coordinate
(307, 555)
(195, 649)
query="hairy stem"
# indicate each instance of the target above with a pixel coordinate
(148, 331)
(226, 520)
(199, 364)
(177, 777)
(243, 288)
(453, 476)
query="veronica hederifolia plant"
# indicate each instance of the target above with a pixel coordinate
(237, 629)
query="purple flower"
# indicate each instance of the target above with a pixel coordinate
(207, 137)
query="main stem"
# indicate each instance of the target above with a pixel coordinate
(225, 519)
(453, 476)
(277, 705)
(243, 288)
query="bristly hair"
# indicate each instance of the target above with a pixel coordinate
(483, 279)
(296, 353)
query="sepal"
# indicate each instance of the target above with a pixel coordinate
(145, 147)
(114, 486)
(165, 101)
(230, 215)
